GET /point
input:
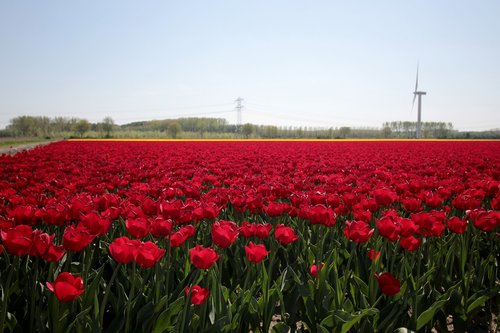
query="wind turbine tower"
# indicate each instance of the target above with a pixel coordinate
(419, 94)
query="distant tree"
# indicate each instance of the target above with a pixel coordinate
(174, 129)
(107, 126)
(247, 130)
(344, 131)
(23, 126)
(386, 131)
(81, 126)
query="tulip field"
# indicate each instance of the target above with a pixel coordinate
(251, 236)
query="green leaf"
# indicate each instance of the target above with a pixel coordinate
(428, 314)
(92, 289)
(322, 329)
(478, 302)
(352, 319)
(281, 328)
(168, 318)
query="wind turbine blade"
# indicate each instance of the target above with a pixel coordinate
(416, 89)
(416, 81)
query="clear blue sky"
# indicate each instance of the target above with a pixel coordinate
(298, 63)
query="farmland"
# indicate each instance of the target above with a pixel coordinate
(238, 236)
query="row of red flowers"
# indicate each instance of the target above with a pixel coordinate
(164, 204)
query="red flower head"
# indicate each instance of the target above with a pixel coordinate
(247, 229)
(203, 258)
(95, 224)
(262, 230)
(17, 240)
(161, 227)
(66, 287)
(41, 243)
(138, 228)
(457, 225)
(358, 231)
(224, 233)
(178, 238)
(24, 215)
(314, 269)
(388, 284)
(373, 255)
(149, 207)
(276, 209)
(412, 204)
(319, 214)
(148, 254)
(123, 250)
(198, 294)
(388, 228)
(485, 220)
(256, 253)
(285, 235)
(408, 227)
(410, 243)
(384, 197)
(54, 253)
(76, 239)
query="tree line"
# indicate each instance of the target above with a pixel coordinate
(193, 127)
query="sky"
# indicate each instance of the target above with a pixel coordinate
(295, 63)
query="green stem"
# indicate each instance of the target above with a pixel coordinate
(167, 279)
(102, 309)
(348, 270)
(157, 283)
(185, 311)
(33, 296)
(5, 295)
(129, 302)
(265, 295)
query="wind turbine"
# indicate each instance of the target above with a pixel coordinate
(419, 94)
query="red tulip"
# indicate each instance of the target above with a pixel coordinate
(410, 243)
(178, 238)
(76, 239)
(96, 224)
(54, 253)
(388, 284)
(123, 250)
(198, 294)
(161, 227)
(41, 243)
(262, 230)
(256, 253)
(148, 254)
(373, 255)
(408, 227)
(247, 229)
(224, 233)
(388, 228)
(314, 269)
(358, 231)
(285, 235)
(138, 227)
(66, 287)
(17, 240)
(485, 220)
(457, 225)
(384, 197)
(319, 214)
(203, 258)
